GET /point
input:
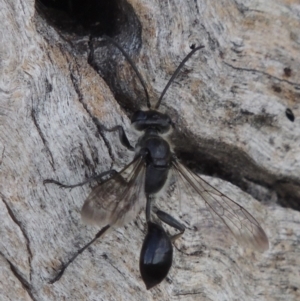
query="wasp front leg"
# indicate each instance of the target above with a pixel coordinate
(118, 128)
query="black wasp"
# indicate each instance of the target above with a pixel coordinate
(121, 196)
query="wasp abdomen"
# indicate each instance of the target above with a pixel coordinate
(156, 255)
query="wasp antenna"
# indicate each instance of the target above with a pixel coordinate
(175, 74)
(115, 43)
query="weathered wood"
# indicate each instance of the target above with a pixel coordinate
(229, 107)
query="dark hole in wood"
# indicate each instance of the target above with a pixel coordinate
(83, 17)
(287, 71)
(289, 114)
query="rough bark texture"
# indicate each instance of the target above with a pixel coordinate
(229, 106)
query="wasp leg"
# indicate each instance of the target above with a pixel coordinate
(65, 265)
(98, 177)
(171, 221)
(118, 128)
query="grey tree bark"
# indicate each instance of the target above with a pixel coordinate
(229, 105)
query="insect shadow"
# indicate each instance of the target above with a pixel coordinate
(120, 196)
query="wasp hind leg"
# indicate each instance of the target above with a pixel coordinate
(171, 221)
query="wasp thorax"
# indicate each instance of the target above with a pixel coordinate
(143, 120)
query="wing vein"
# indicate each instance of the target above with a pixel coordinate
(238, 220)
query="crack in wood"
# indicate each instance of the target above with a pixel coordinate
(33, 113)
(27, 286)
(296, 85)
(15, 220)
(81, 100)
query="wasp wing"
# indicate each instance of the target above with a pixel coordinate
(238, 220)
(119, 199)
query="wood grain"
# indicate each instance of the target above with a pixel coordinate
(229, 106)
